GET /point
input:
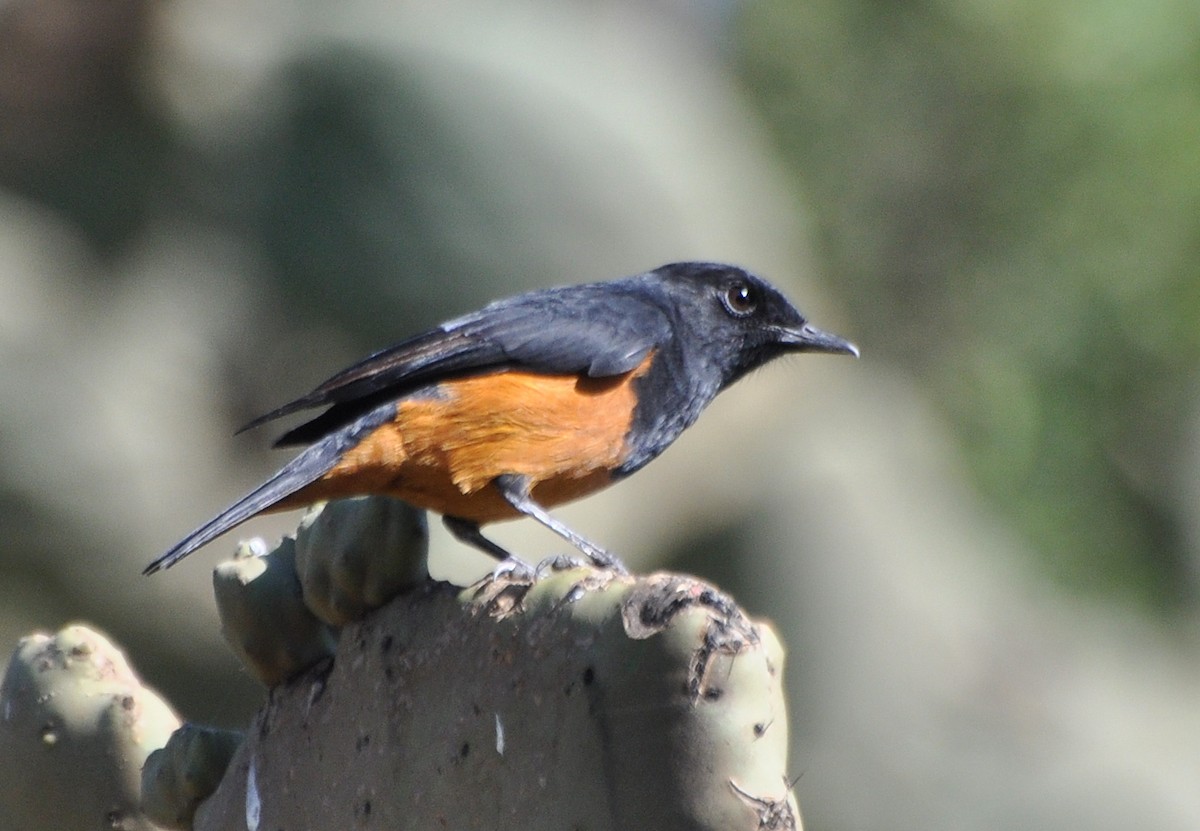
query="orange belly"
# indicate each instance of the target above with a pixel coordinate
(566, 433)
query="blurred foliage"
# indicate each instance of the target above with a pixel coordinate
(76, 131)
(1006, 196)
(360, 184)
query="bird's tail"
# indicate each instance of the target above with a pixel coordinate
(305, 469)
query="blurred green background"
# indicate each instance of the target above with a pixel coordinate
(980, 542)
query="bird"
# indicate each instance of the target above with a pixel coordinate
(530, 402)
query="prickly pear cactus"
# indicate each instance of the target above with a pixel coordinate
(180, 776)
(263, 615)
(76, 725)
(278, 609)
(581, 700)
(354, 555)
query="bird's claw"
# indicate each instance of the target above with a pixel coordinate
(605, 561)
(559, 562)
(516, 569)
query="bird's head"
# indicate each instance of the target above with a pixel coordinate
(737, 321)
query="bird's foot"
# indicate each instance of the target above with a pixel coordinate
(604, 560)
(560, 562)
(515, 569)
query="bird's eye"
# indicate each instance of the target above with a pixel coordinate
(740, 298)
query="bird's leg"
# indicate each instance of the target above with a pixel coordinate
(466, 531)
(515, 490)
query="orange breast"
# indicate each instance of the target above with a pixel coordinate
(565, 432)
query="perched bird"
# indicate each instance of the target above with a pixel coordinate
(529, 402)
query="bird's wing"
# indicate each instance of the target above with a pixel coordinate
(600, 330)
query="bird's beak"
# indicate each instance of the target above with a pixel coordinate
(809, 338)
